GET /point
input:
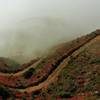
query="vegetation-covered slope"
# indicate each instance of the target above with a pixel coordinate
(70, 72)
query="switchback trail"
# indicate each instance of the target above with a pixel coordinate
(50, 68)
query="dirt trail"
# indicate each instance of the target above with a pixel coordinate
(34, 65)
(12, 80)
(71, 50)
(57, 71)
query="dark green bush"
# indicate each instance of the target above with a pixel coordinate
(29, 73)
(96, 60)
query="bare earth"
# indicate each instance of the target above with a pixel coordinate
(71, 72)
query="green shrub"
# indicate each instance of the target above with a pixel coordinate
(96, 60)
(64, 94)
(29, 73)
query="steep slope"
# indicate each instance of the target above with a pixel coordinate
(64, 74)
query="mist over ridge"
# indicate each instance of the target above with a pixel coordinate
(29, 28)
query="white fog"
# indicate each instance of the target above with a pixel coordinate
(29, 27)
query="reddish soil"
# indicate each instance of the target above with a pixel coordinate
(71, 72)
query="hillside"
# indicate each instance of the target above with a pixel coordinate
(71, 72)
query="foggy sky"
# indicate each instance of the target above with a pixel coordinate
(29, 27)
